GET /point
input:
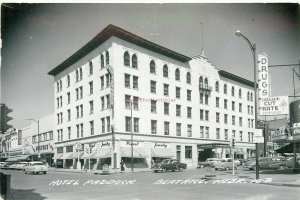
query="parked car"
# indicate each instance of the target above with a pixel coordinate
(6, 165)
(265, 162)
(236, 161)
(283, 164)
(169, 164)
(225, 164)
(35, 167)
(21, 165)
(2, 164)
(208, 162)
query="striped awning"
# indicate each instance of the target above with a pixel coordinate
(17, 158)
(101, 153)
(75, 154)
(161, 153)
(57, 156)
(137, 152)
(68, 155)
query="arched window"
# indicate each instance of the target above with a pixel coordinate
(126, 59)
(107, 57)
(77, 75)
(90, 67)
(232, 91)
(248, 96)
(240, 93)
(68, 80)
(80, 73)
(205, 83)
(165, 71)
(152, 67)
(102, 61)
(225, 89)
(201, 82)
(188, 78)
(177, 75)
(134, 63)
(251, 97)
(217, 86)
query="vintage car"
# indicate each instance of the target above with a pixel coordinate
(225, 164)
(35, 167)
(283, 164)
(169, 164)
(208, 162)
(265, 162)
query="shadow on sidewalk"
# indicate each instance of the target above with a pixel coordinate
(19, 194)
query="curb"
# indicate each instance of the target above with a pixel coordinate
(282, 184)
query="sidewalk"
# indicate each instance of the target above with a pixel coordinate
(111, 171)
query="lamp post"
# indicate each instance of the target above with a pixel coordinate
(253, 50)
(38, 135)
(131, 131)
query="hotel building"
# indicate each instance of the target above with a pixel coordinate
(181, 107)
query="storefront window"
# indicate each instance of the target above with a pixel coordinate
(188, 151)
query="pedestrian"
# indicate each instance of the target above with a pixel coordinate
(122, 166)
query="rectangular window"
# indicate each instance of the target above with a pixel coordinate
(127, 101)
(178, 110)
(153, 106)
(135, 82)
(77, 93)
(166, 108)
(225, 103)
(103, 124)
(218, 117)
(217, 133)
(240, 121)
(201, 98)
(127, 124)
(108, 124)
(178, 129)
(206, 132)
(201, 114)
(206, 99)
(153, 126)
(102, 103)
(69, 115)
(240, 107)
(153, 86)
(166, 89)
(127, 81)
(91, 87)
(69, 133)
(206, 115)
(189, 130)
(90, 68)
(249, 137)
(91, 107)
(217, 102)
(178, 92)
(233, 133)
(251, 110)
(233, 120)
(92, 127)
(81, 129)
(135, 103)
(69, 97)
(102, 82)
(225, 118)
(77, 111)
(136, 125)
(167, 128)
(108, 101)
(81, 92)
(107, 76)
(233, 105)
(241, 135)
(188, 152)
(189, 95)
(248, 110)
(189, 112)
(226, 134)
(201, 131)
(81, 110)
(78, 131)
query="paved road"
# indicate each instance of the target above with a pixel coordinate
(138, 186)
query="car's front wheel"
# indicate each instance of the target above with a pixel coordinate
(44, 172)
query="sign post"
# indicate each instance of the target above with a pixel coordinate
(78, 146)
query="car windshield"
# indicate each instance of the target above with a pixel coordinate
(165, 161)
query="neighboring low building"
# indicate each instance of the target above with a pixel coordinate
(11, 144)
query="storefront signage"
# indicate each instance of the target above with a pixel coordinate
(134, 143)
(277, 105)
(104, 144)
(160, 145)
(263, 76)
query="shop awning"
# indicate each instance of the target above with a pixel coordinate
(75, 154)
(23, 157)
(161, 152)
(57, 156)
(289, 148)
(101, 153)
(238, 151)
(137, 152)
(68, 155)
(86, 156)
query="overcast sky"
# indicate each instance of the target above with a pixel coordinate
(38, 37)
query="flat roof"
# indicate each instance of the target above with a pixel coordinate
(236, 78)
(105, 34)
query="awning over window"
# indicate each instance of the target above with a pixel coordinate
(75, 154)
(23, 157)
(161, 152)
(86, 156)
(68, 155)
(137, 152)
(101, 153)
(57, 156)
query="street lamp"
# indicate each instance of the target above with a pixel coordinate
(253, 50)
(131, 131)
(38, 135)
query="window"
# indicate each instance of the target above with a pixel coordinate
(217, 86)
(178, 129)
(127, 124)
(91, 107)
(189, 95)
(201, 114)
(69, 115)
(178, 110)
(241, 135)
(206, 99)
(77, 75)
(153, 126)
(127, 80)
(240, 107)
(77, 111)
(240, 121)
(81, 110)
(102, 103)
(217, 102)
(167, 128)
(201, 131)
(226, 134)
(152, 67)
(249, 137)
(217, 133)
(206, 132)
(136, 125)
(189, 112)
(233, 134)
(127, 101)
(177, 75)
(205, 83)
(135, 82)
(200, 82)
(248, 96)
(166, 89)
(108, 101)
(251, 110)
(69, 97)
(90, 68)
(225, 118)
(165, 71)
(108, 124)
(251, 96)
(81, 129)
(102, 61)
(60, 85)
(69, 133)
(92, 127)
(188, 152)
(225, 103)
(166, 108)
(233, 106)
(58, 135)
(189, 130)
(77, 93)
(107, 57)
(134, 62)
(248, 110)
(201, 98)
(153, 86)
(102, 82)
(68, 81)
(91, 87)
(240, 93)
(51, 135)
(218, 117)
(232, 91)
(188, 78)
(153, 106)
(206, 115)
(103, 125)
(249, 123)
(107, 76)
(233, 120)
(178, 92)
(126, 59)
(225, 89)
(80, 73)
(135, 103)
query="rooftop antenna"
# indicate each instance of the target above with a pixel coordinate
(202, 50)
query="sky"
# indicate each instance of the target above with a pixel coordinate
(38, 37)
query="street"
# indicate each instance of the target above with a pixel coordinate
(141, 185)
